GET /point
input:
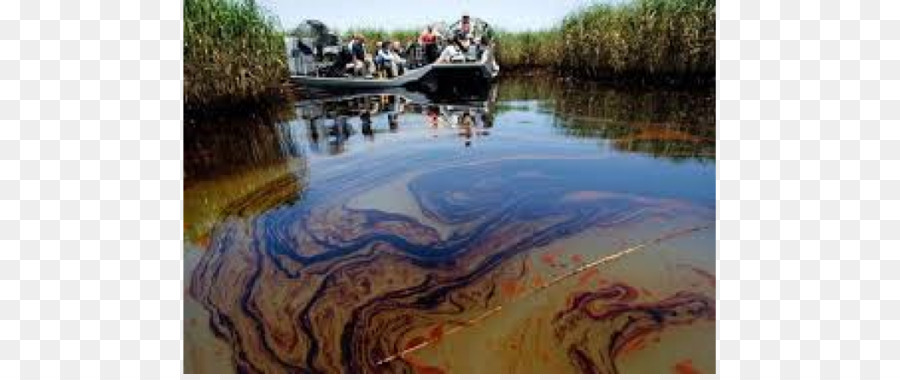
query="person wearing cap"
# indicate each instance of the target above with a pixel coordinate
(465, 24)
(471, 32)
(466, 27)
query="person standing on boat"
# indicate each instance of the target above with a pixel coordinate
(466, 28)
(476, 31)
(465, 25)
(471, 33)
(429, 39)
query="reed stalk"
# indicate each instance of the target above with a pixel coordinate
(643, 39)
(233, 52)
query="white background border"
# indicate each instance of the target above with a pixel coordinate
(90, 169)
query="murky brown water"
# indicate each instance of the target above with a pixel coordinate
(542, 227)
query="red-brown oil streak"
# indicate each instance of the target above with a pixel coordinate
(420, 344)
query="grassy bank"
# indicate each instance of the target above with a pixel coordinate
(528, 50)
(663, 41)
(233, 53)
(646, 40)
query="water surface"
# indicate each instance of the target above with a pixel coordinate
(538, 227)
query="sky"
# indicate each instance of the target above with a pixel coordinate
(514, 15)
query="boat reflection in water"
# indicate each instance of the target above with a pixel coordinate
(330, 122)
(528, 229)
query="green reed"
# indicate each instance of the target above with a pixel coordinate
(672, 39)
(374, 35)
(528, 49)
(233, 52)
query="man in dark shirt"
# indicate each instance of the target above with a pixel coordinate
(361, 63)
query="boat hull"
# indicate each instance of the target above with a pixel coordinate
(429, 78)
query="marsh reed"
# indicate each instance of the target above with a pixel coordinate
(641, 39)
(233, 52)
(375, 35)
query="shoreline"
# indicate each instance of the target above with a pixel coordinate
(287, 92)
(240, 105)
(635, 81)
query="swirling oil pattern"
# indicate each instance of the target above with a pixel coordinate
(601, 325)
(452, 238)
(328, 287)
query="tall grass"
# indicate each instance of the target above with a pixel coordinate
(672, 39)
(528, 49)
(233, 52)
(375, 34)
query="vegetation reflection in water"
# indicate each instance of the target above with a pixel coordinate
(544, 228)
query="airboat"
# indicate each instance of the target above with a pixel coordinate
(313, 60)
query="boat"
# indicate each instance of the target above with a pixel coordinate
(308, 57)
(429, 77)
(472, 94)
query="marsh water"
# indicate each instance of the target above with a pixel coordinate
(539, 226)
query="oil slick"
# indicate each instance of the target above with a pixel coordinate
(323, 287)
(407, 251)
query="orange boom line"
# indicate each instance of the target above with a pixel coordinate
(471, 322)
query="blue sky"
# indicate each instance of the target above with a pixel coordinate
(394, 14)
